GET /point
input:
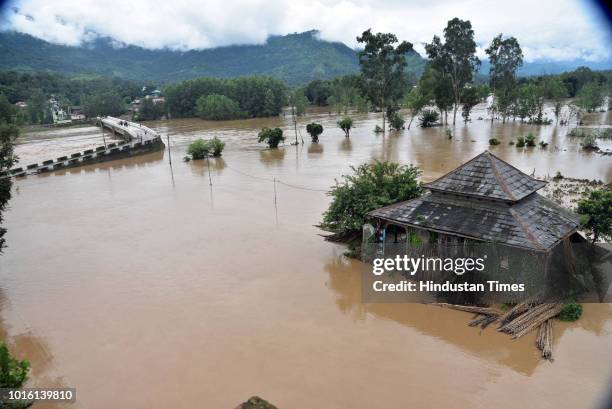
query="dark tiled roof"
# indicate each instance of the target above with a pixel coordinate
(487, 176)
(534, 223)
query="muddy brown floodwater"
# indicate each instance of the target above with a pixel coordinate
(144, 287)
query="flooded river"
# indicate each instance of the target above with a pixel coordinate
(143, 286)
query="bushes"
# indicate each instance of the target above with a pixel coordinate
(589, 142)
(13, 373)
(271, 136)
(217, 107)
(528, 140)
(371, 186)
(346, 124)
(428, 118)
(494, 141)
(396, 121)
(201, 148)
(314, 130)
(570, 312)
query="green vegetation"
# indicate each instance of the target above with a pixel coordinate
(370, 186)
(571, 312)
(383, 81)
(254, 96)
(596, 213)
(346, 124)
(13, 372)
(505, 58)
(149, 110)
(396, 121)
(8, 134)
(271, 136)
(217, 107)
(530, 140)
(314, 130)
(455, 59)
(417, 99)
(102, 104)
(470, 97)
(591, 96)
(520, 142)
(589, 142)
(428, 118)
(200, 148)
(494, 141)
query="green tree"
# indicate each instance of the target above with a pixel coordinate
(505, 58)
(417, 99)
(346, 124)
(102, 104)
(396, 121)
(428, 118)
(554, 89)
(591, 96)
(597, 213)
(13, 372)
(455, 58)
(38, 107)
(383, 81)
(8, 134)
(314, 130)
(469, 98)
(371, 186)
(527, 102)
(149, 110)
(198, 149)
(317, 92)
(217, 108)
(272, 136)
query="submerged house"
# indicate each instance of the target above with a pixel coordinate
(485, 200)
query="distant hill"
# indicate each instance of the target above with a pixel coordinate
(544, 67)
(294, 58)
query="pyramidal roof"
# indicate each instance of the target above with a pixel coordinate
(487, 176)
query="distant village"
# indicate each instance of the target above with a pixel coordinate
(64, 114)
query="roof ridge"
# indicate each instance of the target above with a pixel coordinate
(515, 168)
(455, 169)
(525, 229)
(498, 177)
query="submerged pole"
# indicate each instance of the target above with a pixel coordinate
(209, 178)
(169, 152)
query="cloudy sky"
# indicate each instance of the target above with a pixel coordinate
(546, 29)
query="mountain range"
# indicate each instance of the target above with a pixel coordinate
(294, 58)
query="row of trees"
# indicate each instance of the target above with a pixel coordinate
(217, 98)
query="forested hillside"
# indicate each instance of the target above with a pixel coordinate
(294, 58)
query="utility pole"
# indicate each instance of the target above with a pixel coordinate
(169, 152)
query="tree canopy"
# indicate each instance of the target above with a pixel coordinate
(371, 186)
(383, 81)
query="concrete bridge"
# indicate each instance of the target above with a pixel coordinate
(137, 140)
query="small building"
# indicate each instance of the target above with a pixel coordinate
(76, 113)
(486, 207)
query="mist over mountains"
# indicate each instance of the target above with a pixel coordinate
(294, 58)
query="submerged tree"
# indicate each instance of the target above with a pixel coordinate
(505, 58)
(272, 136)
(371, 186)
(591, 96)
(456, 58)
(417, 99)
(597, 213)
(383, 81)
(314, 130)
(469, 98)
(346, 124)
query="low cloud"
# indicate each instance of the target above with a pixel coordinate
(548, 29)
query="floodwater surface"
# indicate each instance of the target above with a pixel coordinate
(145, 285)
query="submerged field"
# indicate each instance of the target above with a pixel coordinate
(143, 286)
